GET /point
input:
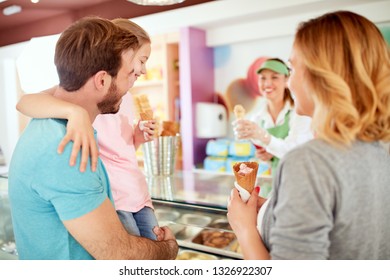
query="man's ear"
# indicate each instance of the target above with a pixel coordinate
(102, 80)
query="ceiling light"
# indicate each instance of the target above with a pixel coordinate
(10, 10)
(156, 2)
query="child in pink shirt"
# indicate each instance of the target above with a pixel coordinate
(128, 185)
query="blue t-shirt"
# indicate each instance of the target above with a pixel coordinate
(45, 190)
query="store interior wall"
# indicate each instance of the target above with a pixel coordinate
(9, 121)
(233, 52)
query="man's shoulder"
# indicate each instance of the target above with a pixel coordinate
(39, 141)
(49, 126)
(48, 123)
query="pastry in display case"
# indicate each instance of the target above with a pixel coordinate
(220, 237)
(203, 231)
(194, 255)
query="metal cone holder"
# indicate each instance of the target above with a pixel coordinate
(160, 155)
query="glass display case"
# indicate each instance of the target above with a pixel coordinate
(192, 204)
(7, 241)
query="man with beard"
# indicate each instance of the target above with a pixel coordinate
(59, 212)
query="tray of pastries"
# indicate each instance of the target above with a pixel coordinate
(205, 232)
(214, 237)
(194, 255)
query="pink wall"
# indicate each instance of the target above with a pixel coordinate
(196, 85)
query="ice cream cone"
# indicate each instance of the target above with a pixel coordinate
(239, 111)
(146, 115)
(246, 181)
(142, 104)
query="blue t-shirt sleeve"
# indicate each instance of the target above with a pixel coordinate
(78, 196)
(71, 192)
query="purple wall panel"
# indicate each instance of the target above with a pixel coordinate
(196, 85)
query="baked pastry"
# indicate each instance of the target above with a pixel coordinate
(217, 239)
(245, 174)
(235, 247)
(170, 128)
(194, 256)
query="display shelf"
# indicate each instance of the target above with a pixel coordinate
(148, 83)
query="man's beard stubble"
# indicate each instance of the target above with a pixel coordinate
(111, 103)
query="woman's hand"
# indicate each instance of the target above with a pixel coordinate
(262, 154)
(80, 131)
(144, 132)
(245, 129)
(242, 218)
(241, 215)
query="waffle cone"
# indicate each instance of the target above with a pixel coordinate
(246, 181)
(239, 111)
(146, 115)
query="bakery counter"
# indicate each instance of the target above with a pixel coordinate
(194, 206)
(7, 241)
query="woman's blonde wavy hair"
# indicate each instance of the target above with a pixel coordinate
(348, 74)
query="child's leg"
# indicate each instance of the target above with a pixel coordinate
(146, 221)
(128, 222)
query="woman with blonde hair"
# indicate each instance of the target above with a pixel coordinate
(118, 141)
(330, 194)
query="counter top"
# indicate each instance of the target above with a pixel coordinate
(199, 188)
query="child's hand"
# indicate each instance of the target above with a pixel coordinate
(79, 130)
(159, 233)
(144, 132)
(163, 233)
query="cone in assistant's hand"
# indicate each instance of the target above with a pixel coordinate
(239, 111)
(245, 174)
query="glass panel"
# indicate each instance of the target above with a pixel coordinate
(7, 241)
(196, 188)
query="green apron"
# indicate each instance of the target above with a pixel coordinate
(281, 132)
